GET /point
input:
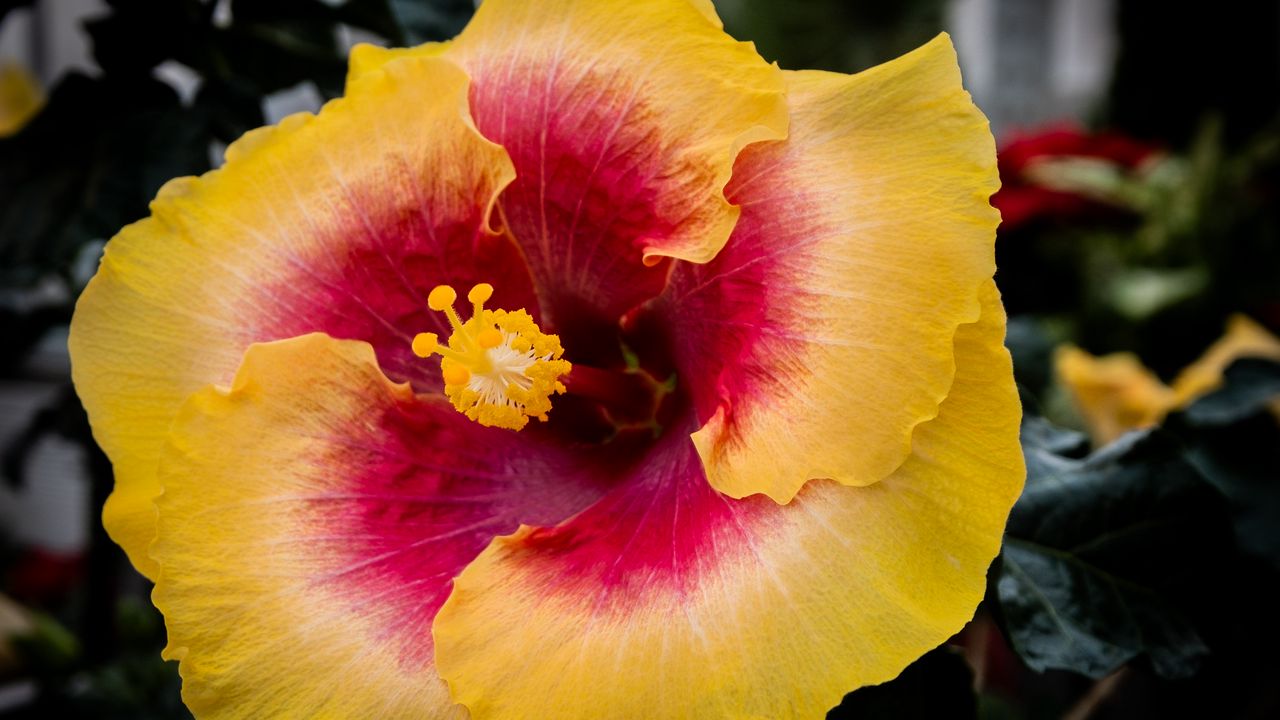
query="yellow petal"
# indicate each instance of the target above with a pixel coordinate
(707, 8)
(655, 69)
(327, 223)
(708, 607)
(1243, 338)
(623, 120)
(20, 98)
(366, 59)
(1114, 394)
(825, 328)
(283, 595)
(313, 518)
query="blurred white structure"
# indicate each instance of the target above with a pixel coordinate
(50, 507)
(49, 37)
(1031, 62)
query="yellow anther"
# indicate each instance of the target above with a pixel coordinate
(425, 344)
(455, 374)
(441, 297)
(480, 293)
(489, 338)
(499, 368)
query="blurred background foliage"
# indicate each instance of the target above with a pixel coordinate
(1141, 568)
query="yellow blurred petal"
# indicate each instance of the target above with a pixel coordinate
(20, 98)
(866, 236)
(788, 608)
(270, 604)
(1114, 393)
(1243, 338)
(255, 250)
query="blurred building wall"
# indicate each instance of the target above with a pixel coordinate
(48, 37)
(1031, 62)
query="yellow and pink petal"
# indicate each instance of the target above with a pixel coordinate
(623, 120)
(669, 599)
(341, 222)
(823, 333)
(337, 223)
(313, 518)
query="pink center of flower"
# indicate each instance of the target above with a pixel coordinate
(500, 369)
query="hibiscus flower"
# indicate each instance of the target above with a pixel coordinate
(586, 365)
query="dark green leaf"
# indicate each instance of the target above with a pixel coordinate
(1249, 384)
(273, 55)
(426, 21)
(232, 107)
(1032, 351)
(23, 329)
(938, 685)
(1242, 460)
(372, 15)
(141, 34)
(136, 684)
(48, 646)
(1050, 443)
(1080, 587)
(1235, 444)
(87, 165)
(1066, 613)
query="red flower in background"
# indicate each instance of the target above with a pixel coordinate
(40, 576)
(1065, 172)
